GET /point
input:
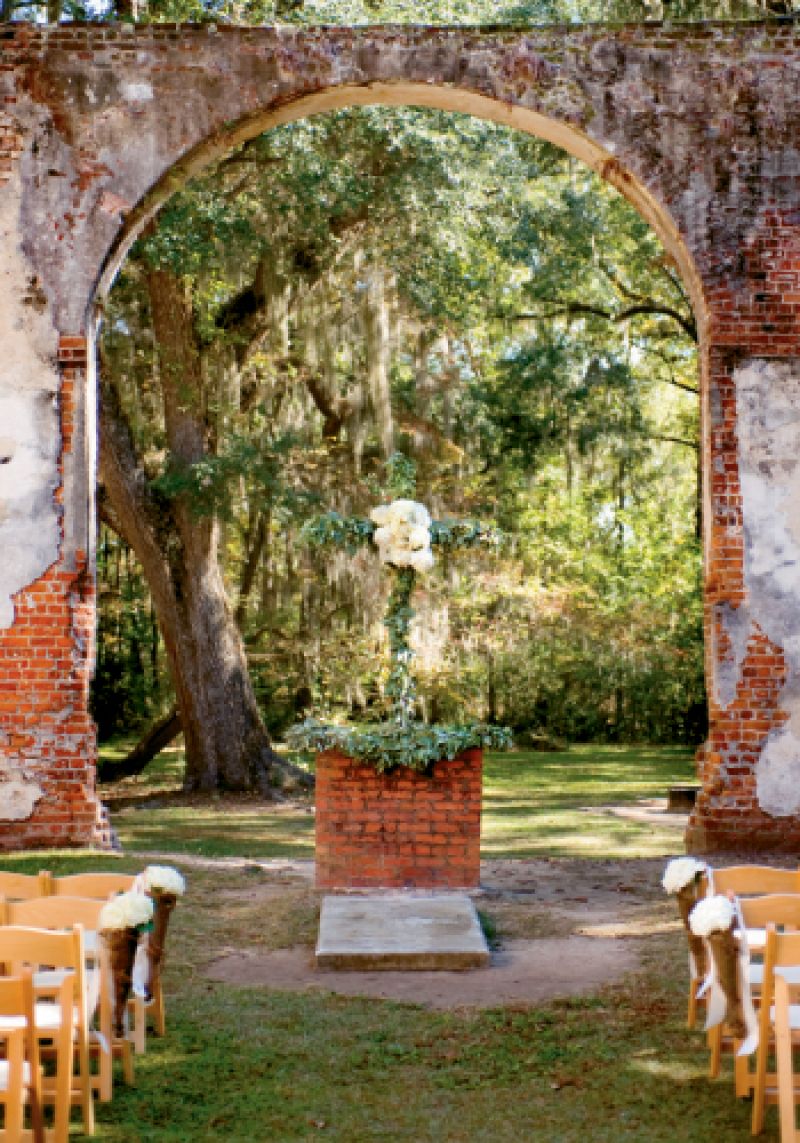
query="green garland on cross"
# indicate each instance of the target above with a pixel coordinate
(405, 536)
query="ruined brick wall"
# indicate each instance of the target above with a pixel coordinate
(399, 830)
(750, 766)
(696, 125)
(47, 739)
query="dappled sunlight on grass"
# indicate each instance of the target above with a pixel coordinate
(648, 927)
(165, 772)
(551, 804)
(149, 812)
(64, 861)
(219, 829)
(676, 1071)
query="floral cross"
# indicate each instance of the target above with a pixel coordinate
(405, 535)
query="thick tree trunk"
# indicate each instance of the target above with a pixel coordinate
(227, 745)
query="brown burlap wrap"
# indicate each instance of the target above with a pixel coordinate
(122, 952)
(687, 899)
(163, 904)
(726, 958)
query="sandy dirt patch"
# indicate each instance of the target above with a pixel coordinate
(565, 927)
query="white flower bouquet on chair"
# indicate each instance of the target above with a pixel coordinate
(122, 921)
(163, 885)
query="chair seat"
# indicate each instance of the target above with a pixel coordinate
(47, 1017)
(756, 939)
(11, 1023)
(5, 1069)
(53, 978)
(794, 1016)
(755, 975)
(790, 973)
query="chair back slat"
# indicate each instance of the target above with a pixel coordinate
(98, 885)
(32, 947)
(55, 912)
(750, 880)
(21, 886)
(780, 909)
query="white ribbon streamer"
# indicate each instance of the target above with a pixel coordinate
(716, 1004)
(141, 968)
(750, 1042)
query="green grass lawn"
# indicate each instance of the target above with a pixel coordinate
(534, 804)
(253, 1065)
(552, 804)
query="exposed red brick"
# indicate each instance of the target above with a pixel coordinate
(398, 830)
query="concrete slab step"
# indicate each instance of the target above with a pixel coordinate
(400, 931)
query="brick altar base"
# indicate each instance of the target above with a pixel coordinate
(398, 830)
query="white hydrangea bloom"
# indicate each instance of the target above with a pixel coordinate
(127, 911)
(711, 915)
(403, 534)
(422, 561)
(419, 537)
(680, 872)
(380, 515)
(164, 879)
(415, 514)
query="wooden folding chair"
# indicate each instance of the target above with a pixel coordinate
(20, 1068)
(63, 913)
(22, 886)
(779, 956)
(756, 914)
(748, 882)
(786, 1022)
(57, 960)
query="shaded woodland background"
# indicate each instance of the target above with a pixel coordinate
(375, 280)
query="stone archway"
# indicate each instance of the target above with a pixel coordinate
(99, 124)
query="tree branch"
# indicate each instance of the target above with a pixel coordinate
(152, 742)
(577, 309)
(695, 445)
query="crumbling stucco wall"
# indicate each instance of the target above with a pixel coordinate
(30, 442)
(697, 126)
(768, 395)
(29, 450)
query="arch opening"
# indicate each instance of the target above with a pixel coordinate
(566, 136)
(601, 162)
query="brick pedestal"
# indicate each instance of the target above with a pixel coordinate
(398, 830)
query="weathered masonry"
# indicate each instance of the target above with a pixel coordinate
(698, 126)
